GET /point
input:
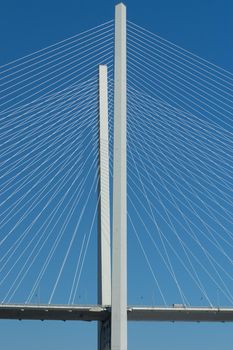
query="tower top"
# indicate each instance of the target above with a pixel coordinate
(121, 4)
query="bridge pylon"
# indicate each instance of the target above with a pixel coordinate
(112, 334)
(119, 241)
(104, 246)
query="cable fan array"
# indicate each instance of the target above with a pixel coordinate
(180, 158)
(49, 169)
(179, 168)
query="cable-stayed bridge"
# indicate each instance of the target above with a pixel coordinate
(179, 181)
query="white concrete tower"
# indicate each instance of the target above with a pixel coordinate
(119, 243)
(104, 247)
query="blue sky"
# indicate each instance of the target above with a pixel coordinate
(202, 27)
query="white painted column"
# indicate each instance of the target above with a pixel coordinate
(119, 244)
(104, 247)
(104, 208)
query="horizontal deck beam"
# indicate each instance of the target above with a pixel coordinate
(53, 312)
(99, 313)
(181, 314)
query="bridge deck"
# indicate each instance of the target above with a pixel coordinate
(99, 313)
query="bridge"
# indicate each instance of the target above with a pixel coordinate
(57, 131)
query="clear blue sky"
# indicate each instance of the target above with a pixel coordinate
(203, 27)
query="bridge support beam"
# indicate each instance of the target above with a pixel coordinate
(119, 243)
(104, 247)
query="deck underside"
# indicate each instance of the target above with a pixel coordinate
(99, 313)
